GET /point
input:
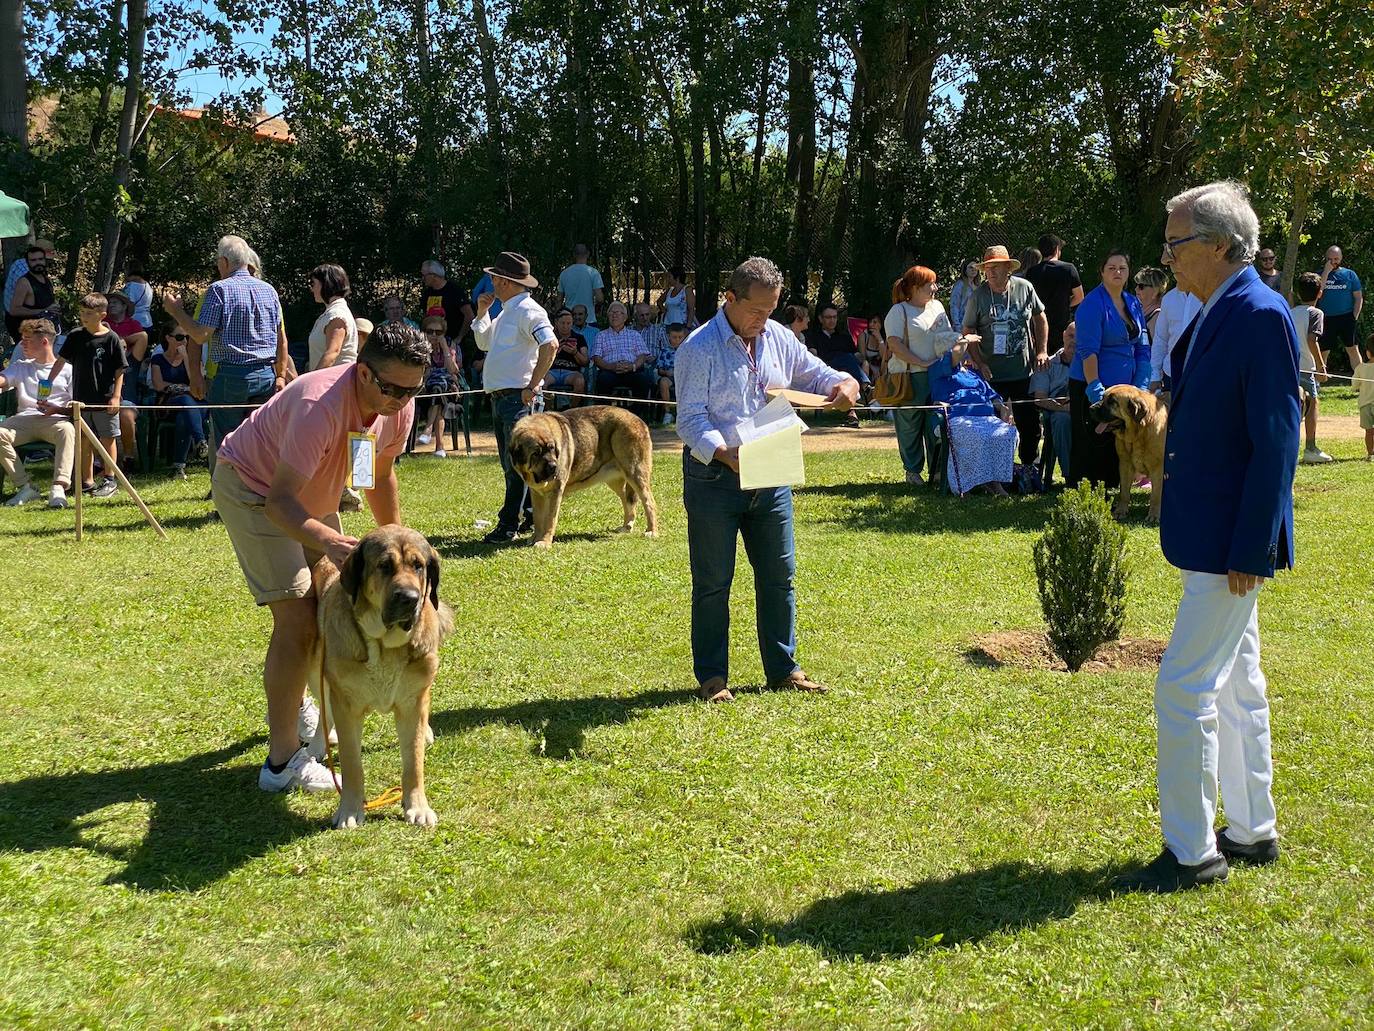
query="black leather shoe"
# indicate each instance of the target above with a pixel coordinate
(1261, 853)
(1166, 874)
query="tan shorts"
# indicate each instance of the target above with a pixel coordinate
(1367, 417)
(275, 566)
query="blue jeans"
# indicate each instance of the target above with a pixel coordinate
(507, 409)
(231, 385)
(847, 363)
(1060, 425)
(718, 513)
(190, 425)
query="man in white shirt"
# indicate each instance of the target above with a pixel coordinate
(28, 375)
(580, 283)
(1177, 309)
(520, 344)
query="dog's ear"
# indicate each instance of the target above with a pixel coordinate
(353, 571)
(432, 576)
(1137, 409)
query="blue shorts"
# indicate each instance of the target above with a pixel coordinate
(1308, 382)
(561, 379)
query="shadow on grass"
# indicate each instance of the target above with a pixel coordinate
(207, 818)
(558, 726)
(943, 911)
(455, 547)
(178, 522)
(899, 508)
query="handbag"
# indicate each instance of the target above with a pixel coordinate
(894, 388)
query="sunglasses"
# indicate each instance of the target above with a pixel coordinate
(180, 336)
(396, 390)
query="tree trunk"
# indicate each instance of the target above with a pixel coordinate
(801, 158)
(128, 121)
(760, 132)
(713, 227)
(424, 146)
(307, 36)
(708, 273)
(838, 227)
(491, 103)
(14, 80)
(80, 232)
(1301, 195)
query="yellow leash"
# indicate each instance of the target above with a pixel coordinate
(388, 797)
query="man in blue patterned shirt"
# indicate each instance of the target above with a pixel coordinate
(723, 372)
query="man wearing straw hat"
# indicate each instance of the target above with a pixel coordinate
(1010, 318)
(520, 345)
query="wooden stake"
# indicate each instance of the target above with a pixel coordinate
(77, 482)
(112, 466)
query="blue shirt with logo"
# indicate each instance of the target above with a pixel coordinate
(1339, 297)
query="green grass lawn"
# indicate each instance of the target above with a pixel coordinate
(928, 845)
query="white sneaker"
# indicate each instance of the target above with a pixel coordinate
(423, 439)
(440, 453)
(178, 472)
(308, 720)
(1315, 456)
(302, 771)
(23, 496)
(57, 497)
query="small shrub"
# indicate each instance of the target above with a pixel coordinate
(1081, 570)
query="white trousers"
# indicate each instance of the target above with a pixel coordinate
(1213, 722)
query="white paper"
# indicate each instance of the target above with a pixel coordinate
(362, 452)
(778, 414)
(770, 453)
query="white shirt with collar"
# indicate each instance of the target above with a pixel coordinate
(1176, 310)
(512, 341)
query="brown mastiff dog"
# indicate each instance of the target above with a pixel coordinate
(380, 627)
(557, 453)
(1139, 420)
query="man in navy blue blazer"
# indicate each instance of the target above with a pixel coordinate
(1227, 524)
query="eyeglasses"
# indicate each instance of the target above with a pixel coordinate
(434, 332)
(1171, 245)
(397, 390)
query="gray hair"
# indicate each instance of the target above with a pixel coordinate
(235, 251)
(754, 272)
(616, 304)
(1221, 211)
(432, 268)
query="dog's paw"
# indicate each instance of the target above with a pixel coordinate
(429, 734)
(624, 529)
(422, 815)
(650, 533)
(348, 818)
(543, 545)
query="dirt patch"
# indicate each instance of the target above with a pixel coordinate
(1030, 649)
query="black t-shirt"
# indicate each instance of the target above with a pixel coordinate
(450, 301)
(563, 359)
(823, 343)
(95, 359)
(1054, 283)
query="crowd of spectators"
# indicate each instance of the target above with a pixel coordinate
(1044, 349)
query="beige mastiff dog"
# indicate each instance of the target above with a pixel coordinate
(557, 453)
(1140, 421)
(380, 627)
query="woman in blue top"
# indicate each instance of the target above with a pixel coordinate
(982, 437)
(1113, 348)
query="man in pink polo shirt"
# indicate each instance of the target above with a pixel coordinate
(276, 487)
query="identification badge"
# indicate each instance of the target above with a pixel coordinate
(362, 460)
(1001, 332)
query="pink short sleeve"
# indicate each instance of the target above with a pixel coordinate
(312, 428)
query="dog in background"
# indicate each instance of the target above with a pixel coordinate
(1139, 420)
(381, 624)
(557, 453)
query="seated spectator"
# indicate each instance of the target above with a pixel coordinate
(140, 294)
(172, 384)
(837, 349)
(1050, 388)
(667, 358)
(97, 360)
(621, 357)
(29, 375)
(586, 330)
(1308, 320)
(979, 428)
(796, 318)
(365, 328)
(655, 338)
(394, 312)
(33, 295)
(873, 347)
(119, 317)
(443, 376)
(570, 361)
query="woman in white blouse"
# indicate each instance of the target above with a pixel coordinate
(918, 332)
(334, 338)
